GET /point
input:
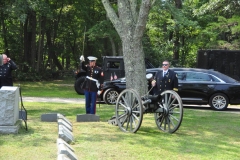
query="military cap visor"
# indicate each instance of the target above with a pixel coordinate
(91, 58)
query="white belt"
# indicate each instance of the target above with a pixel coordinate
(97, 83)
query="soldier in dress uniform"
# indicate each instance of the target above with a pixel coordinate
(93, 83)
(6, 71)
(165, 79)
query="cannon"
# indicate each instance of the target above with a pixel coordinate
(166, 107)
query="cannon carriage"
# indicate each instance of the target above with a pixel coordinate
(166, 107)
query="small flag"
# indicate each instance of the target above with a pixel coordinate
(111, 78)
(115, 76)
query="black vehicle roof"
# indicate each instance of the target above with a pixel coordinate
(113, 57)
(216, 73)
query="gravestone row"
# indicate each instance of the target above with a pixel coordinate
(65, 132)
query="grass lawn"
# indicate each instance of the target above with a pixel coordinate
(57, 88)
(202, 135)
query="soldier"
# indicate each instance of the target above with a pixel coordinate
(165, 79)
(92, 84)
(6, 70)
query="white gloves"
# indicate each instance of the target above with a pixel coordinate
(82, 58)
(153, 83)
(99, 92)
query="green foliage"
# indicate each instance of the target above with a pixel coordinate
(199, 24)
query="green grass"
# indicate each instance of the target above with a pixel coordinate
(203, 135)
(57, 88)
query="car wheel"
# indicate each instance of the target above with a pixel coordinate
(78, 84)
(218, 101)
(110, 96)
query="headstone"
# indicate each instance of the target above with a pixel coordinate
(63, 157)
(49, 117)
(9, 110)
(60, 116)
(65, 134)
(62, 122)
(87, 118)
(61, 141)
(62, 149)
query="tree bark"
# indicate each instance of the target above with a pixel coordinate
(4, 33)
(42, 22)
(33, 25)
(176, 50)
(130, 23)
(27, 46)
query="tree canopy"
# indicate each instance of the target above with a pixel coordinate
(44, 36)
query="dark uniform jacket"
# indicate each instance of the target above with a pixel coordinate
(95, 73)
(5, 73)
(167, 82)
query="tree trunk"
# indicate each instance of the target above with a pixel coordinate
(42, 22)
(114, 53)
(176, 50)
(33, 25)
(130, 24)
(4, 33)
(52, 58)
(27, 46)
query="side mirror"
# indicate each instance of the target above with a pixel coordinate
(149, 76)
(1, 60)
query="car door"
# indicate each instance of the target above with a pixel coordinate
(194, 87)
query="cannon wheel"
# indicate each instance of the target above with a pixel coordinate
(170, 116)
(129, 112)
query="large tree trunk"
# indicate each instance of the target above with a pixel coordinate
(130, 24)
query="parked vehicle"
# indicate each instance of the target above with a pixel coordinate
(224, 61)
(196, 86)
(112, 66)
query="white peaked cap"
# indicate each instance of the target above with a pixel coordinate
(91, 58)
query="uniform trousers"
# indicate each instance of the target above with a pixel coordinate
(90, 101)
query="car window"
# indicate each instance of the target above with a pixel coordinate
(113, 64)
(197, 76)
(215, 79)
(181, 75)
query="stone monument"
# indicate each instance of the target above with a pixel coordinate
(9, 110)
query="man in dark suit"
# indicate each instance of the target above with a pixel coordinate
(165, 79)
(6, 71)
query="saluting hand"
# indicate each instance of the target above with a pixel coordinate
(153, 83)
